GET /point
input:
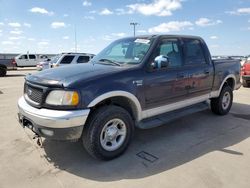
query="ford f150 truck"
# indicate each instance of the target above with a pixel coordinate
(139, 82)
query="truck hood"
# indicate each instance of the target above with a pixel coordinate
(65, 75)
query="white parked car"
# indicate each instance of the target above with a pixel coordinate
(29, 60)
(70, 58)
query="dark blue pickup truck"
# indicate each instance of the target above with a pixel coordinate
(140, 82)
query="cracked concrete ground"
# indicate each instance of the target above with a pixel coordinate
(200, 150)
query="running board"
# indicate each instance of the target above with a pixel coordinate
(170, 116)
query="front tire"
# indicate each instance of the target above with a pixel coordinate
(3, 71)
(108, 132)
(222, 104)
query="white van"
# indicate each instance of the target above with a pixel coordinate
(29, 60)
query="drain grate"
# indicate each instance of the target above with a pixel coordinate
(147, 156)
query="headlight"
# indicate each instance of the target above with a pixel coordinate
(63, 98)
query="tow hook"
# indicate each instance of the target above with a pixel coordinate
(39, 140)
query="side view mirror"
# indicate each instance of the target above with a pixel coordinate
(160, 61)
(48, 59)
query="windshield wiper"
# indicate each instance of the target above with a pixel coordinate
(109, 62)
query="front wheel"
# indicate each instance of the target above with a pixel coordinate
(223, 103)
(3, 71)
(108, 132)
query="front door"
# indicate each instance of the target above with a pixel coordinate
(163, 84)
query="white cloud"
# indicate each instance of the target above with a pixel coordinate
(240, 11)
(121, 11)
(65, 15)
(31, 39)
(204, 22)
(157, 8)
(107, 38)
(43, 43)
(1, 23)
(89, 17)
(27, 25)
(214, 46)
(16, 32)
(41, 11)
(66, 37)
(106, 11)
(14, 24)
(141, 31)
(170, 26)
(92, 11)
(7, 42)
(56, 25)
(214, 37)
(16, 38)
(118, 34)
(86, 3)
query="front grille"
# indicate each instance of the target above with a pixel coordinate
(34, 94)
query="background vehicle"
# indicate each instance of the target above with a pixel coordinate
(71, 58)
(139, 82)
(6, 64)
(246, 73)
(30, 60)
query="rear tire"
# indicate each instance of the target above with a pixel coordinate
(222, 104)
(3, 71)
(108, 132)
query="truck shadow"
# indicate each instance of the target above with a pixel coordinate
(163, 148)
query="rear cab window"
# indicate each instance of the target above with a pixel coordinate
(194, 54)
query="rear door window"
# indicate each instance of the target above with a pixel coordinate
(83, 59)
(194, 54)
(67, 59)
(32, 57)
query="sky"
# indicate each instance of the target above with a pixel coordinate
(50, 26)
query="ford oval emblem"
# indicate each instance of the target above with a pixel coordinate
(29, 92)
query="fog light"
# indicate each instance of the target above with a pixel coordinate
(47, 132)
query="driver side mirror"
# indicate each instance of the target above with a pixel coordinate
(160, 61)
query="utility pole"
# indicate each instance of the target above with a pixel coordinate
(75, 40)
(134, 24)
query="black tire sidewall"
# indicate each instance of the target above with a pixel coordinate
(96, 125)
(223, 91)
(3, 72)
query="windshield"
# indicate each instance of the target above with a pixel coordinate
(124, 51)
(55, 59)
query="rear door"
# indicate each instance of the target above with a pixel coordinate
(197, 68)
(32, 60)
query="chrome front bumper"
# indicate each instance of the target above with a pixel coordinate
(67, 123)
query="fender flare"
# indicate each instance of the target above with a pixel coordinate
(132, 98)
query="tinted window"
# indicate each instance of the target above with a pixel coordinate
(83, 59)
(170, 48)
(67, 59)
(23, 57)
(32, 57)
(193, 52)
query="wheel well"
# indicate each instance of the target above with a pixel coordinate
(123, 102)
(230, 82)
